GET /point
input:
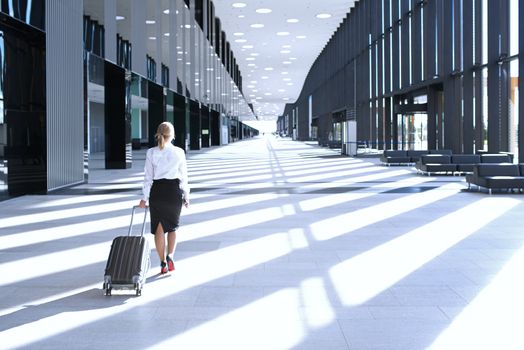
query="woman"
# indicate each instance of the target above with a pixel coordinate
(166, 188)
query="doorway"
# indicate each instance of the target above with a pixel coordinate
(413, 131)
(412, 122)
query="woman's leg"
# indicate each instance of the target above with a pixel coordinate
(160, 242)
(171, 245)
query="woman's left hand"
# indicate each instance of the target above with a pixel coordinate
(142, 203)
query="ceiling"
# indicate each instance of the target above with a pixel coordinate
(275, 59)
(275, 42)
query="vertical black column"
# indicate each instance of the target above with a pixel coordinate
(156, 110)
(451, 133)
(416, 49)
(479, 127)
(405, 44)
(432, 118)
(195, 139)
(394, 123)
(468, 77)
(387, 49)
(215, 127)
(521, 86)
(494, 129)
(380, 80)
(429, 40)
(117, 121)
(396, 46)
(23, 161)
(179, 113)
(504, 73)
(387, 123)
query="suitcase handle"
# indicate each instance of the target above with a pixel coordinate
(143, 222)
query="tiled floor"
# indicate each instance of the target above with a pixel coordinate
(285, 246)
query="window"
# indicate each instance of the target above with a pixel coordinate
(151, 68)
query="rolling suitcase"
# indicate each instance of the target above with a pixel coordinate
(128, 261)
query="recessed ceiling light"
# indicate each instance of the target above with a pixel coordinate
(241, 16)
(251, 65)
(120, 18)
(289, 84)
(247, 46)
(292, 20)
(254, 54)
(265, 77)
(188, 26)
(281, 90)
(268, 68)
(166, 34)
(264, 11)
(152, 38)
(285, 51)
(240, 40)
(268, 93)
(166, 11)
(253, 81)
(323, 15)
(286, 62)
(150, 21)
(257, 25)
(282, 33)
(284, 73)
(239, 5)
(252, 59)
(238, 34)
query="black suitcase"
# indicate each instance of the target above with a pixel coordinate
(128, 261)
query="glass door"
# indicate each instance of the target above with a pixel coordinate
(413, 131)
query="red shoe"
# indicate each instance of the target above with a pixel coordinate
(170, 264)
(163, 268)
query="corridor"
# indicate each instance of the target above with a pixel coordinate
(285, 245)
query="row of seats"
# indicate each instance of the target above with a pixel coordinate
(390, 157)
(457, 163)
(497, 176)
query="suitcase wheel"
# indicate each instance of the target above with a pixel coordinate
(138, 292)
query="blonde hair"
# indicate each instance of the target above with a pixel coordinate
(164, 134)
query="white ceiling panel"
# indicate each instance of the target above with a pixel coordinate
(276, 42)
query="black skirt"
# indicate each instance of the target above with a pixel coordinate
(165, 204)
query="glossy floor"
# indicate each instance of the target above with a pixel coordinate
(285, 246)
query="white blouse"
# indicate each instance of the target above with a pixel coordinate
(168, 163)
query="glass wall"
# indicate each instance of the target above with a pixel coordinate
(23, 119)
(463, 52)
